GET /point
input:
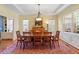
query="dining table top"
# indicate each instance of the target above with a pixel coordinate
(31, 35)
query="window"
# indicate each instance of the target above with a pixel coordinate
(26, 25)
(77, 23)
(1, 24)
(51, 26)
(10, 25)
(76, 17)
(68, 22)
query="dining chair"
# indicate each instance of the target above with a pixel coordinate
(56, 38)
(27, 39)
(37, 36)
(53, 44)
(26, 33)
(20, 40)
(47, 38)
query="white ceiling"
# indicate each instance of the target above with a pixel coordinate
(32, 9)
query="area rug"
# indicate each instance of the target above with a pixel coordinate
(64, 49)
(9, 49)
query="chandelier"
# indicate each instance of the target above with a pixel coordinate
(38, 16)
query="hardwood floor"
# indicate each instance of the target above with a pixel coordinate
(4, 44)
(64, 49)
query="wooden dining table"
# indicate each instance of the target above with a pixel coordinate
(31, 36)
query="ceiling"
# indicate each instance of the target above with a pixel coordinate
(32, 9)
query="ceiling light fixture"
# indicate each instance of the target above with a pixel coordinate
(38, 17)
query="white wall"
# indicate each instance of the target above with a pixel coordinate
(71, 38)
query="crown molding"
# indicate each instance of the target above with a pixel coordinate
(62, 8)
(18, 8)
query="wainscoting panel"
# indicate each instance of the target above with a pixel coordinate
(71, 38)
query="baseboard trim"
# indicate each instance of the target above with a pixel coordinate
(69, 45)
